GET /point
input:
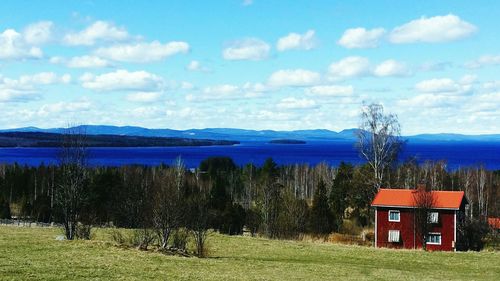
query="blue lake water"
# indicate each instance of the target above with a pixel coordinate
(458, 154)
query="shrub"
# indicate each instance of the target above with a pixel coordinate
(142, 238)
(253, 220)
(369, 235)
(4, 209)
(118, 237)
(350, 227)
(473, 233)
(347, 239)
(180, 239)
(83, 231)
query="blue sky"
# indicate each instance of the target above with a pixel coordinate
(257, 64)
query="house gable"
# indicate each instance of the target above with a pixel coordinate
(443, 230)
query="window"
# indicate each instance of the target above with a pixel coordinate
(433, 217)
(393, 236)
(434, 238)
(393, 215)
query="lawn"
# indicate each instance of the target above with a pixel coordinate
(34, 253)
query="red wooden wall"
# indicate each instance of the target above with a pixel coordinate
(408, 238)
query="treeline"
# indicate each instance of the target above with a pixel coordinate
(276, 201)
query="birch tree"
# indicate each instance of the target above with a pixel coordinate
(379, 140)
(71, 193)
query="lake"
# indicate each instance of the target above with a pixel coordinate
(459, 154)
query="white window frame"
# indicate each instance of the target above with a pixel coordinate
(389, 236)
(430, 216)
(394, 211)
(434, 243)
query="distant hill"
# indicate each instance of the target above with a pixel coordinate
(348, 135)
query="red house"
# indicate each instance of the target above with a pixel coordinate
(395, 219)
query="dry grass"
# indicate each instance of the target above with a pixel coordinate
(33, 253)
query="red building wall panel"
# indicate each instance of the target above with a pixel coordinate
(409, 239)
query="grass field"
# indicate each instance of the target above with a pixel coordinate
(33, 253)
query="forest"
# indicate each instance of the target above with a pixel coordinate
(271, 200)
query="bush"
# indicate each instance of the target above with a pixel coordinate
(347, 239)
(350, 227)
(83, 231)
(4, 209)
(253, 220)
(120, 239)
(142, 238)
(473, 233)
(369, 235)
(180, 239)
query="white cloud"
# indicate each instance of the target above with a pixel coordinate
(330, 91)
(27, 87)
(482, 61)
(12, 90)
(247, 2)
(196, 66)
(13, 46)
(361, 38)
(492, 85)
(44, 78)
(38, 33)
(256, 87)
(60, 107)
(391, 68)
(143, 52)
(221, 90)
(86, 61)
(186, 86)
(122, 80)
(435, 66)
(144, 97)
(294, 103)
(445, 86)
(432, 30)
(293, 78)
(246, 49)
(98, 31)
(350, 67)
(427, 101)
(296, 41)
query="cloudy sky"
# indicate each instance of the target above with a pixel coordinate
(257, 64)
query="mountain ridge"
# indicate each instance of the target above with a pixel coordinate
(252, 135)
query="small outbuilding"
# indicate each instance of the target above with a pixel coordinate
(494, 223)
(396, 219)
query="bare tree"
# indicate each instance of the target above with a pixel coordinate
(482, 193)
(379, 140)
(199, 222)
(71, 194)
(168, 206)
(425, 201)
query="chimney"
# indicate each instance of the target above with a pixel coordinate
(421, 186)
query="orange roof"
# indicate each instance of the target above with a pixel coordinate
(494, 223)
(406, 198)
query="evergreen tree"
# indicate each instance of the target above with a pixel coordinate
(322, 219)
(341, 187)
(4, 209)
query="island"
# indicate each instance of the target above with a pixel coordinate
(37, 139)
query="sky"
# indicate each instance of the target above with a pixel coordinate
(261, 64)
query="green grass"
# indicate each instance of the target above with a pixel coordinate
(33, 253)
